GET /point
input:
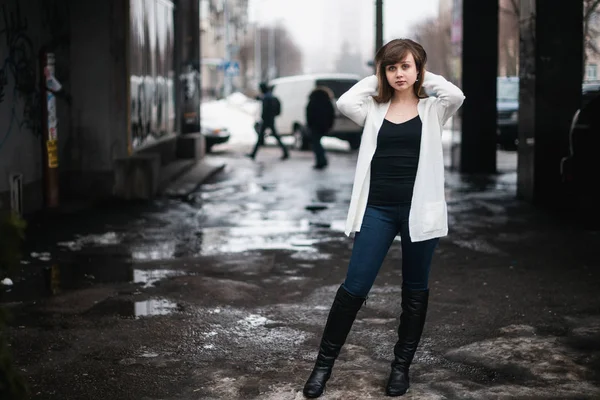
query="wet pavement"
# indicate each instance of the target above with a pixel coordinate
(223, 295)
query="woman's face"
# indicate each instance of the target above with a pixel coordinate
(403, 75)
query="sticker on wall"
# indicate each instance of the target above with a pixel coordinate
(53, 86)
(52, 147)
(52, 120)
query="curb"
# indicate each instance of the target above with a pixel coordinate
(191, 180)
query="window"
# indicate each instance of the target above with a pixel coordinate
(507, 89)
(591, 72)
(337, 86)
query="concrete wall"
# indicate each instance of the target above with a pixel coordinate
(544, 121)
(479, 72)
(92, 47)
(89, 39)
(99, 32)
(25, 27)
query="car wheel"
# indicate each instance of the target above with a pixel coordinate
(301, 140)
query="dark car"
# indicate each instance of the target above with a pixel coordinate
(507, 104)
(589, 90)
(580, 169)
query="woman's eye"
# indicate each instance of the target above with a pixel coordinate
(391, 68)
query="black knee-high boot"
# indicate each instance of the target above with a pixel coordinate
(412, 320)
(341, 317)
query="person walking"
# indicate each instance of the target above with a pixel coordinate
(320, 116)
(398, 189)
(271, 108)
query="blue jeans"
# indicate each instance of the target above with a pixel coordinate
(380, 226)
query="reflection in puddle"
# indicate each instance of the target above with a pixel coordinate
(154, 251)
(154, 307)
(41, 256)
(257, 235)
(129, 309)
(338, 225)
(150, 277)
(105, 239)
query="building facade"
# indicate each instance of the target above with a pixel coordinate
(117, 63)
(223, 31)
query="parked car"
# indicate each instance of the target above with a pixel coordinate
(214, 133)
(580, 169)
(507, 103)
(589, 90)
(293, 94)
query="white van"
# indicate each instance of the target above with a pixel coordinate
(293, 92)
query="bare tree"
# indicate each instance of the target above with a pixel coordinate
(508, 37)
(591, 29)
(508, 40)
(434, 34)
(288, 56)
(350, 61)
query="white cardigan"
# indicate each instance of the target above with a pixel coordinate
(428, 216)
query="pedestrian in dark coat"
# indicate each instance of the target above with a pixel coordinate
(271, 108)
(320, 116)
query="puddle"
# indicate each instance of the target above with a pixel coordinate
(258, 235)
(105, 239)
(80, 273)
(149, 277)
(41, 256)
(131, 309)
(338, 225)
(304, 242)
(154, 307)
(153, 251)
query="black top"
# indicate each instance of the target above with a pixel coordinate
(270, 108)
(394, 164)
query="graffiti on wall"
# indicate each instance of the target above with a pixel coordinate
(17, 72)
(20, 97)
(151, 64)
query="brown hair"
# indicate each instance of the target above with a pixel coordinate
(392, 53)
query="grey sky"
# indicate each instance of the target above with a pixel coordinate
(320, 26)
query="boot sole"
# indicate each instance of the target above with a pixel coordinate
(398, 394)
(314, 397)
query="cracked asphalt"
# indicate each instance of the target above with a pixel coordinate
(224, 295)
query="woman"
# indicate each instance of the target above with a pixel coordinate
(398, 189)
(320, 117)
